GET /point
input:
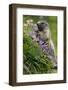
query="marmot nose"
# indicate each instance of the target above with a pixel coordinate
(40, 27)
(38, 24)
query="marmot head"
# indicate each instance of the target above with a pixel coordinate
(42, 25)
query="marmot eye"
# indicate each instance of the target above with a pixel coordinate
(42, 23)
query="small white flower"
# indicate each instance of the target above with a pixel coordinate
(29, 22)
(25, 25)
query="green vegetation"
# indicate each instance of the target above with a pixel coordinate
(34, 60)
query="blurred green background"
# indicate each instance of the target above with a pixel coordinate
(34, 60)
